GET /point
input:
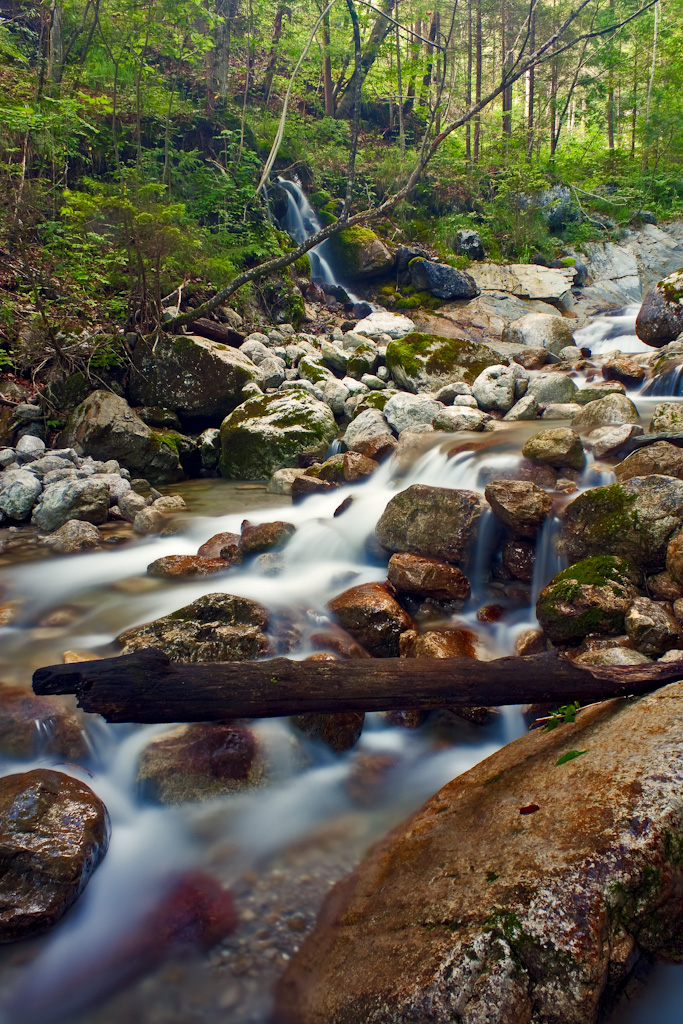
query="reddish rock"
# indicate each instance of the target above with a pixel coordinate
(377, 447)
(519, 558)
(200, 762)
(674, 558)
(531, 641)
(520, 505)
(373, 617)
(411, 719)
(264, 537)
(439, 643)
(538, 473)
(337, 641)
(31, 725)
(663, 587)
(305, 485)
(427, 577)
(358, 466)
(491, 613)
(219, 543)
(180, 567)
(340, 731)
(369, 778)
(623, 369)
(54, 832)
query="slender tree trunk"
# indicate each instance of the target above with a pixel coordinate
(399, 86)
(650, 86)
(552, 107)
(634, 109)
(477, 84)
(468, 83)
(274, 47)
(531, 83)
(55, 62)
(327, 68)
(380, 30)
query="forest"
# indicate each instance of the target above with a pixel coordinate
(138, 140)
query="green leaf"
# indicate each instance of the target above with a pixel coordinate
(569, 756)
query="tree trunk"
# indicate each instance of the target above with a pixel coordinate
(147, 687)
(468, 83)
(477, 86)
(274, 46)
(399, 86)
(327, 68)
(531, 82)
(380, 31)
(55, 61)
(650, 86)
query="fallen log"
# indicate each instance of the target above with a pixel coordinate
(148, 687)
(218, 332)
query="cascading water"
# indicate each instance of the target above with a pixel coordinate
(614, 330)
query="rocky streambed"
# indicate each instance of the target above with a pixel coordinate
(427, 496)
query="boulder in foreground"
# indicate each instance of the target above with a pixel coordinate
(523, 891)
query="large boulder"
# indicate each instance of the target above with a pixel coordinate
(86, 500)
(215, 627)
(549, 388)
(269, 432)
(652, 628)
(558, 447)
(383, 322)
(19, 491)
(359, 253)
(660, 318)
(427, 577)
(634, 520)
(526, 890)
(425, 362)
(591, 596)
(434, 522)
(54, 832)
(662, 458)
(404, 411)
(539, 330)
(373, 617)
(494, 388)
(612, 410)
(442, 281)
(105, 427)
(200, 380)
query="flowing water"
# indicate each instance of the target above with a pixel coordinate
(308, 826)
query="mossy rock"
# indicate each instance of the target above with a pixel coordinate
(591, 596)
(373, 400)
(425, 362)
(303, 266)
(360, 253)
(268, 433)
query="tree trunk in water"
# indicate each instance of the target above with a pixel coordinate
(147, 687)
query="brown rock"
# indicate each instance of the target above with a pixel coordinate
(358, 467)
(74, 536)
(439, 643)
(337, 641)
(521, 505)
(378, 447)
(495, 903)
(180, 567)
(339, 731)
(305, 485)
(370, 777)
(531, 358)
(427, 577)
(32, 725)
(652, 628)
(663, 587)
(76, 657)
(608, 441)
(434, 522)
(612, 656)
(623, 369)
(559, 447)
(54, 832)
(214, 546)
(519, 558)
(411, 719)
(264, 536)
(200, 762)
(538, 472)
(149, 520)
(674, 557)
(661, 458)
(373, 617)
(531, 641)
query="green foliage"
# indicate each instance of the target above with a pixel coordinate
(562, 716)
(569, 756)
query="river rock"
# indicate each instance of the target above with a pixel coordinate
(130, 504)
(539, 330)
(215, 627)
(613, 657)
(32, 726)
(268, 433)
(404, 411)
(427, 577)
(221, 542)
(667, 418)
(339, 731)
(599, 389)
(561, 411)
(74, 536)
(517, 893)
(182, 567)
(674, 558)
(559, 447)
(635, 520)
(652, 628)
(550, 388)
(373, 618)
(494, 389)
(607, 441)
(519, 558)
(149, 520)
(624, 370)
(198, 379)
(346, 467)
(438, 643)
(591, 596)
(526, 408)
(201, 762)
(468, 243)
(662, 458)
(106, 427)
(86, 500)
(381, 322)
(433, 522)
(456, 418)
(335, 394)
(282, 480)
(29, 448)
(261, 537)
(660, 318)
(360, 253)
(54, 832)
(366, 426)
(520, 505)
(19, 491)
(441, 280)
(427, 362)
(612, 410)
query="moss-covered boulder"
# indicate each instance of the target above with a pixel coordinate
(433, 522)
(105, 427)
(558, 447)
(660, 319)
(269, 432)
(359, 253)
(425, 362)
(591, 596)
(198, 379)
(634, 520)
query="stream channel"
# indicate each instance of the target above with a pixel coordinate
(279, 847)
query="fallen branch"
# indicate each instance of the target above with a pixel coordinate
(148, 687)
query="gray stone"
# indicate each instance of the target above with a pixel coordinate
(613, 410)
(272, 372)
(29, 448)
(465, 401)
(335, 394)
(87, 500)
(660, 318)
(667, 417)
(75, 535)
(48, 464)
(652, 628)
(526, 408)
(7, 457)
(468, 243)
(282, 479)
(130, 504)
(210, 448)
(28, 413)
(456, 418)
(403, 410)
(539, 330)
(561, 411)
(494, 389)
(382, 322)
(19, 491)
(334, 356)
(607, 441)
(550, 388)
(367, 424)
(449, 392)
(441, 280)
(257, 351)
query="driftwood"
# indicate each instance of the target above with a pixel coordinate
(217, 332)
(147, 687)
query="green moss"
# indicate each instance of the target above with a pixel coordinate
(571, 589)
(303, 266)
(326, 218)
(436, 356)
(568, 261)
(608, 511)
(320, 199)
(313, 371)
(373, 400)
(350, 244)
(672, 290)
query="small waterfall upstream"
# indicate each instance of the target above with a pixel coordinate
(63, 976)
